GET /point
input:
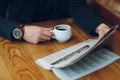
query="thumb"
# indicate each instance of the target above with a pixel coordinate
(101, 34)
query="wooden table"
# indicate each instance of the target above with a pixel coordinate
(17, 59)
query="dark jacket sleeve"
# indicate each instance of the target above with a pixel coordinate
(83, 16)
(6, 26)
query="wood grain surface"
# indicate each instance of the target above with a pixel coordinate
(17, 59)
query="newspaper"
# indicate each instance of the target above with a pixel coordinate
(65, 63)
(90, 63)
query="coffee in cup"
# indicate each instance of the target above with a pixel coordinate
(62, 32)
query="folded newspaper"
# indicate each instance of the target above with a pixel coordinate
(80, 59)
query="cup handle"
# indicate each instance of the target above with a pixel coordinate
(53, 33)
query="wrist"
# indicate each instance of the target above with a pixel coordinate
(18, 32)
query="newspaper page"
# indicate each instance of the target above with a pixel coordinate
(90, 63)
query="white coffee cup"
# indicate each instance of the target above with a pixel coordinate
(62, 32)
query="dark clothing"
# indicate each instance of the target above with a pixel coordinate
(14, 12)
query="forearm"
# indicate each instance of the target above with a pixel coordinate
(84, 16)
(87, 19)
(6, 28)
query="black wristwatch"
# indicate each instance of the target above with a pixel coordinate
(18, 32)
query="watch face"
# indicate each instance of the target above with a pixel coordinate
(17, 33)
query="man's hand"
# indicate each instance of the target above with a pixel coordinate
(102, 29)
(36, 34)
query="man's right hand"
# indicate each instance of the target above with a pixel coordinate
(36, 34)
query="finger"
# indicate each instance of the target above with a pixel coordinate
(44, 37)
(47, 33)
(48, 29)
(101, 34)
(41, 40)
